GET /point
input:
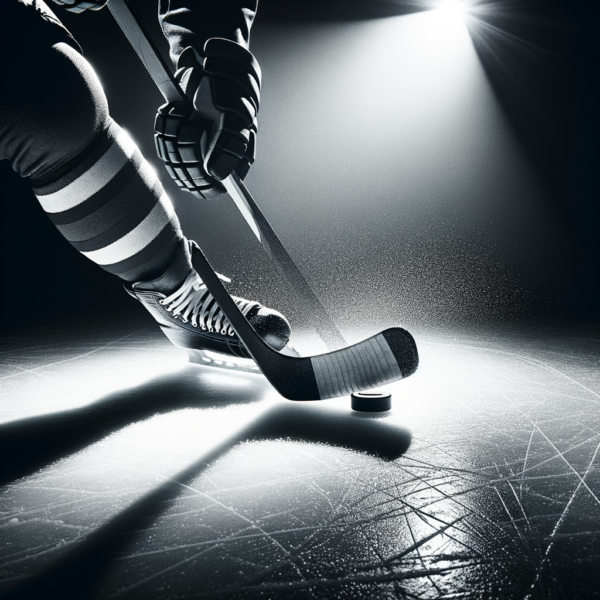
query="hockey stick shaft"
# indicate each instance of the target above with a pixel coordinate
(314, 311)
(147, 51)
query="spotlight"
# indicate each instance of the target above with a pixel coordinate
(452, 9)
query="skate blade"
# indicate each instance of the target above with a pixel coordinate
(231, 363)
(207, 358)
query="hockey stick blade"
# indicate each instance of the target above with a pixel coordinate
(383, 358)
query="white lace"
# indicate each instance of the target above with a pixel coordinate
(192, 302)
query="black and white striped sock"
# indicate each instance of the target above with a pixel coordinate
(112, 208)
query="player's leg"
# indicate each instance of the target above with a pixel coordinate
(97, 188)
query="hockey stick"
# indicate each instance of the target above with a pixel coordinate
(383, 358)
(162, 76)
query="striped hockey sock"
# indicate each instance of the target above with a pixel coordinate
(112, 208)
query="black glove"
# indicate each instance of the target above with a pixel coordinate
(204, 145)
(77, 6)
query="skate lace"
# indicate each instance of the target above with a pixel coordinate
(193, 303)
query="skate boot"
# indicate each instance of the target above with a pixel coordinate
(189, 316)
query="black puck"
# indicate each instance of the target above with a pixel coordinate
(371, 401)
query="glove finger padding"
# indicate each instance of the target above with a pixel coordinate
(178, 140)
(76, 6)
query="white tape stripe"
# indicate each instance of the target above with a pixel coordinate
(94, 179)
(364, 366)
(362, 371)
(137, 239)
(335, 372)
(381, 358)
(375, 364)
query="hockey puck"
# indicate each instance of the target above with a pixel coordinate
(371, 401)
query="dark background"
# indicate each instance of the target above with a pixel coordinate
(369, 262)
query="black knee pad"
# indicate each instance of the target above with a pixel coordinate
(53, 107)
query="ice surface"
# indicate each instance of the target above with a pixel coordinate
(130, 474)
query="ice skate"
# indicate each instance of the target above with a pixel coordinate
(189, 316)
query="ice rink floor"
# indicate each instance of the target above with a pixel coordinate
(128, 473)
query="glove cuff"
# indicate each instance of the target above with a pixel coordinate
(222, 48)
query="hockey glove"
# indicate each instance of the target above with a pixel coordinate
(203, 146)
(78, 6)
